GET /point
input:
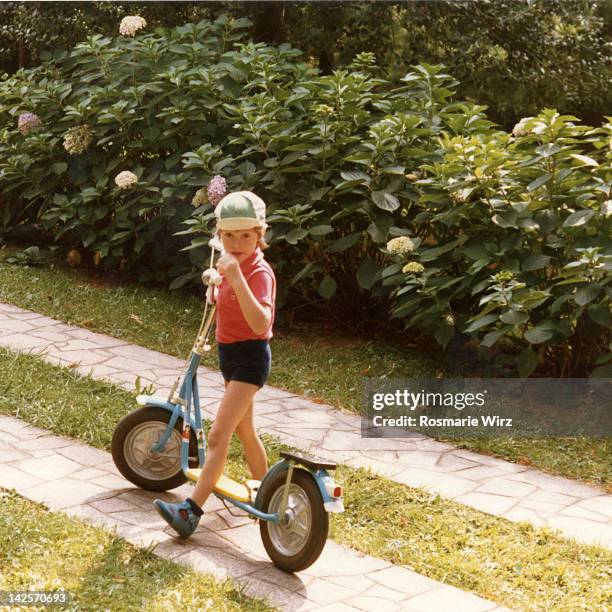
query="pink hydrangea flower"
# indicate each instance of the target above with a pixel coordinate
(216, 189)
(27, 121)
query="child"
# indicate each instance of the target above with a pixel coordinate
(245, 313)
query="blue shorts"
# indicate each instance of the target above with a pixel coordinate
(248, 361)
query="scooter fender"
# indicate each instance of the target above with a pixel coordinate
(321, 477)
(162, 402)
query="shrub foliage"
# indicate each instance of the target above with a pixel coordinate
(505, 236)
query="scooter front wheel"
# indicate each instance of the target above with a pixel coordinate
(131, 446)
(296, 543)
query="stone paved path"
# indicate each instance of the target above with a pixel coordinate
(83, 482)
(516, 492)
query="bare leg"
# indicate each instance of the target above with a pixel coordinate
(254, 450)
(234, 405)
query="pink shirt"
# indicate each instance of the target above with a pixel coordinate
(231, 324)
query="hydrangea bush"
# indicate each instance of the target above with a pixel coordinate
(378, 195)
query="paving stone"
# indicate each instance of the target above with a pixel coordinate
(111, 482)
(113, 504)
(373, 603)
(448, 461)
(172, 548)
(500, 464)
(276, 595)
(383, 592)
(11, 425)
(556, 484)
(11, 455)
(148, 518)
(577, 511)
(6, 437)
(447, 598)
(337, 560)
(297, 582)
(91, 515)
(14, 325)
(44, 442)
(602, 504)
(506, 487)
(246, 538)
(63, 493)
(325, 592)
(88, 474)
(217, 562)
(583, 530)
(550, 498)
(525, 514)
(426, 459)
(49, 468)
(83, 357)
(335, 607)
(486, 502)
(542, 508)
(448, 485)
(132, 352)
(480, 472)
(13, 478)
(403, 580)
(85, 455)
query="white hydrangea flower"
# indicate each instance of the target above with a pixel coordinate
(400, 246)
(520, 129)
(413, 267)
(126, 179)
(131, 24)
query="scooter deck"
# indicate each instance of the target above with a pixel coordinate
(229, 487)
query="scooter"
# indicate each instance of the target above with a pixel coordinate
(162, 445)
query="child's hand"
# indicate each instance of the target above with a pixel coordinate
(229, 267)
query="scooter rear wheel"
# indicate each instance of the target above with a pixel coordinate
(296, 544)
(132, 440)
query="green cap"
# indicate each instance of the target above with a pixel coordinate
(240, 210)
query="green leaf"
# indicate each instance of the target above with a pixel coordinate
(580, 217)
(444, 333)
(527, 361)
(586, 161)
(600, 313)
(328, 287)
(344, 243)
(355, 175)
(492, 337)
(514, 317)
(309, 269)
(393, 170)
(586, 294)
(295, 235)
(546, 150)
(366, 273)
(541, 180)
(538, 334)
(58, 167)
(385, 200)
(602, 372)
(535, 262)
(482, 322)
(321, 230)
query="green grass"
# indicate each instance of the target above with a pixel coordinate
(312, 360)
(48, 551)
(513, 564)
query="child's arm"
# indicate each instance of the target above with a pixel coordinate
(257, 315)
